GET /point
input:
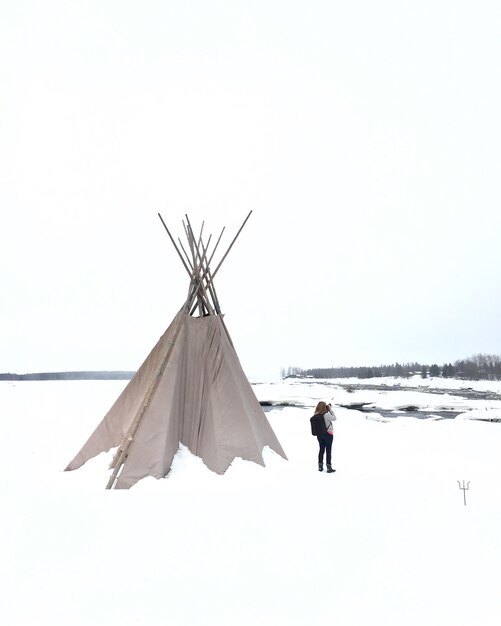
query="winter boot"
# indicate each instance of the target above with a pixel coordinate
(329, 469)
(320, 467)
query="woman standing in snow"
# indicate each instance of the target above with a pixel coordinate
(325, 439)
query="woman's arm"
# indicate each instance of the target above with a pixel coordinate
(332, 415)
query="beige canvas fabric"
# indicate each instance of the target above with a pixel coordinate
(196, 394)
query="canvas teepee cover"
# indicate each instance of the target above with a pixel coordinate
(191, 389)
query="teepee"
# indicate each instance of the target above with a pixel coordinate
(191, 389)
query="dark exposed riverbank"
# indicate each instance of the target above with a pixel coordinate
(354, 400)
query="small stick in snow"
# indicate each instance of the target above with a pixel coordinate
(464, 488)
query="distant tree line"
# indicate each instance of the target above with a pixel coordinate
(476, 367)
(102, 375)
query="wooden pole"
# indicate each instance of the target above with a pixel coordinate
(231, 245)
(194, 281)
(210, 286)
(215, 248)
(174, 244)
(195, 264)
(199, 270)
(127, 442)
(199, 251)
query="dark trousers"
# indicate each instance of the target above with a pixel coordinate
(325, 443)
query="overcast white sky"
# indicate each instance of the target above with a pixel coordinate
(365, 137)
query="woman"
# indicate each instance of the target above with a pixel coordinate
(325, 440)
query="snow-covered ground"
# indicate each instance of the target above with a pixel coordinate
(385, 540)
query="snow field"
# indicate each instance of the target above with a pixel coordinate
(385, 540)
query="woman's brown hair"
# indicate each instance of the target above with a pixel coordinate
(321, 408)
